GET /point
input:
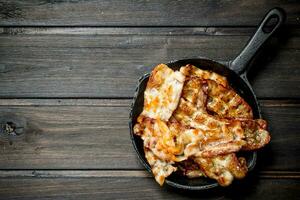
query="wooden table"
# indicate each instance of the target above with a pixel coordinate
(69, 68)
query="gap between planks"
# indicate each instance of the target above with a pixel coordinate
(116, 102)
(180, 31)
(116, 173)
(125, 30)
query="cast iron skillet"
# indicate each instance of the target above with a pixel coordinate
(236, 73)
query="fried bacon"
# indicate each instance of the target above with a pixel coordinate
(194, 118)
(223, 168)
(226, 103)
(192, 71)
(170, 142)
(192, 112)
(162, 92)
(221, 136)
(222, 99)
(173, 142)
(160, 168)
(256, 134)
(190, 168)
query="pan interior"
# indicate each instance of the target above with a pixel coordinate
(235, 81)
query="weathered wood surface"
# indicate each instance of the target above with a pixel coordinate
(70, 67)
(141, 13)
(139, 188)
(54, 173)
(93, 134)
(103, 63)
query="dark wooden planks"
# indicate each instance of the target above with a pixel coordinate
(54, 173)
(94, 31)
(89, 173)
(93, 134)
(71, 137)
(141, 13)
(99, 62)
(139, 187)
(283, 120)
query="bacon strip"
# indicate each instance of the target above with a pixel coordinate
(160, 168)
(226, 103)
(162, 93)
(192, 71)
(223, 168)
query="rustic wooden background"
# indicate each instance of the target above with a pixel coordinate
(70, 67)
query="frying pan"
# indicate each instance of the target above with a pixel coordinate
(236, 73)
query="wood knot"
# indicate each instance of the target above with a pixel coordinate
(12, 127)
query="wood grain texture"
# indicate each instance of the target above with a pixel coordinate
(104, 63)
(139, 188)
(83, 173)
(69, 68)
(71, 137)
(141, 13)
(118, 173)
(84, 134)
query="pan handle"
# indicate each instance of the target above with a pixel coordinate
(241, 62)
